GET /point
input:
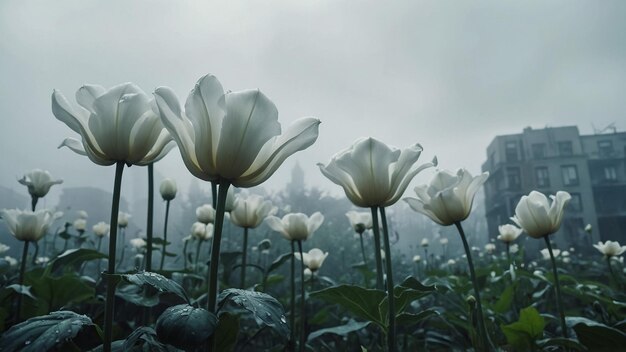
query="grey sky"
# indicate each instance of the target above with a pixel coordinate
(450, 75)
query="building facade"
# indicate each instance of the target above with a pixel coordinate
(592, 168)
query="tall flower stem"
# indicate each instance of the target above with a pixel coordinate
(167, 214)
(99, 246)
(215, 251)
(150, 216)
(21, 279)
(292, 317)
(482, 332)
(109, 304)
(198, 252)
(244, 257)
(379, 259)
(508, 252)
(123, 238)
(391, 333)
(363, 248)
(302, 305)
(214, 194)
(557, 285)
(185, 254)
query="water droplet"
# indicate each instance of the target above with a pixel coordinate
(27, 342)
(56, 331)
(283, 319)
(57, 340)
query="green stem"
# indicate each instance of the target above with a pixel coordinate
(302, 305)
(215, 252)
(99, 261)
(109, 304)
(214, 194)
(185, 254)
(363, 248)
(198, 252)
(557, 285)
(149, 230)
(34, 259)
(292, 316)
(243, 258)
(167, 213)
(33, 202)
(21, 279)
(391, 333)
(379, 259)
(123, 241)
(482, 332)
(508, 253)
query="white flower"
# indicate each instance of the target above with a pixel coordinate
(537, 217)
(313, 259)
(101, 229)
(546, 254)
(417, 258)
(115, 125)
(201, 231)
(424, 242)
(38, 182)
(122, 219)
(610, 248)
(296, 226)
(27, 225)
(509, 233)
(448, 198)
(588, 228)
(80, 224)
(372, 173)
(82, 214)
(360, 221)
(4, 248)
(443, 241)
(451, 262)
(231, 136)
(490, 248)
(12, 261)
(168, 189)
(138, 243)
(205, 213)
(251, 211)
(514, 248)
(307, 273)
(42, 260)
(231, 200)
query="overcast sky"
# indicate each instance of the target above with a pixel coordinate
(450, 75)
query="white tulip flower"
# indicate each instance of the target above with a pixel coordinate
(610, 248)
(38, 182)
(296, 226)
(27, 225)
(251, 211)
(360, 221)
(537, 217)
(509, 233)
(313, 259)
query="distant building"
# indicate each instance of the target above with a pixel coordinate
(592, 168)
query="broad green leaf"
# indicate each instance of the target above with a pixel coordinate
(137, 295)
(506, 298)
(407, 319)
(72, 257)
(571, 344)
(157, 281)
(405, 293)
(226, 333)
(54, 293)
(596, 336)
(45, 333)
(228, 261)
(341, 330)
(526, 331)
(363, 303)
(185, 327)
(142, 339)
(267, 311)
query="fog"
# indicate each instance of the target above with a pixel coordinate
(449, 75)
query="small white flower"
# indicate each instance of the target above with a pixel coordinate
(610, 248)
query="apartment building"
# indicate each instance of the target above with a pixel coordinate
(592, 168)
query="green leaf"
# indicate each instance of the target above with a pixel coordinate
(157, 281)
(506, 299)
(228, 261)
(596, 336)
(267, 311)
(54, 293)
(407, 319)
(341, 330)
(72, 257)
(405, 293)
(278, 262)
(185, 327)
(523, 333)
(44, 333)
(137, 295)
(158, 241)
(363, 303)
(143, 338)
(566, 344)
(274, 279)
(226, 333)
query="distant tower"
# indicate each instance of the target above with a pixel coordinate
(296, 185)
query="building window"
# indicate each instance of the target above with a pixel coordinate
(610, 174)
(565, 148)
(605, 148)
(542, 177)
(513, 178)
(539, 150)
(511, 151)
(570, 175)
(576, 203)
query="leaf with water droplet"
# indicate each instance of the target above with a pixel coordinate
(265, 309)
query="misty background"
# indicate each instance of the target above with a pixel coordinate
(449, 75)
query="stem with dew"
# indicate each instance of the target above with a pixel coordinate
(557, 285)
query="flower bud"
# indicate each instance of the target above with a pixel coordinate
(168, 189)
